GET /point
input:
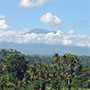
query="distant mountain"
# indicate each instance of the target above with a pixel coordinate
(39, 31)
(42, 49)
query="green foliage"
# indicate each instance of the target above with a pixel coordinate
(21, 72)
(83, 79)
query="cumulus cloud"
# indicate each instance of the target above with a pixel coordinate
(3, 25)
(31, 3)
(69, 38)
(51, 20)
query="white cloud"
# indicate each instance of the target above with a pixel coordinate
(31, 3)
(3, 25)
(51, 20)
(58, 38)
(69, 38)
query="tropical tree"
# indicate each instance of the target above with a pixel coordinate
(13, 70)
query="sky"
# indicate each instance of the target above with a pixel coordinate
(70, 18)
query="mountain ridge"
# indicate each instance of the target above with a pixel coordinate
(40, 31)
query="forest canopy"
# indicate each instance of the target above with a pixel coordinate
(26, 72)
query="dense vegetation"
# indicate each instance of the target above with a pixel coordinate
(25, 72)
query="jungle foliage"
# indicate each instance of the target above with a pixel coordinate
(25, 72)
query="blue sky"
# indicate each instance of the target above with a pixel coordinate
(69, 11)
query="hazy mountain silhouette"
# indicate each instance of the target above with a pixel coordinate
(40, 31)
